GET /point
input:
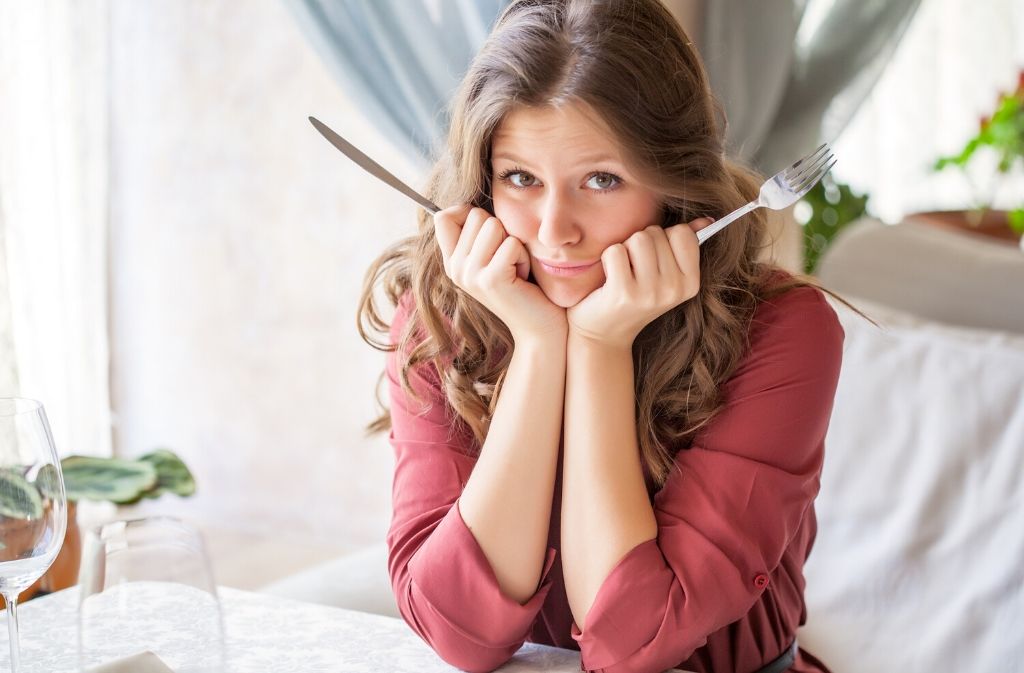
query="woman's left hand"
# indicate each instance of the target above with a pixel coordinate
(653, 271)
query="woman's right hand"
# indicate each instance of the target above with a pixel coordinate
(492, 267)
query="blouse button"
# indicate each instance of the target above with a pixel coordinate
(761, 581)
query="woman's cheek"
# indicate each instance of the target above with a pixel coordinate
(514, 222)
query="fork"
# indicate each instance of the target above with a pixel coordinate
(782, 189)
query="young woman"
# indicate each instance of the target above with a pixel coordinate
(606, 437)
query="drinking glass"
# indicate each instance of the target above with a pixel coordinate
(146, 585)
(33, 508)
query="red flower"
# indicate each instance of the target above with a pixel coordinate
(1020, 83)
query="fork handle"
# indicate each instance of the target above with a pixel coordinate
(716, 226)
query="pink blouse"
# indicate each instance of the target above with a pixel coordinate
(720, 589)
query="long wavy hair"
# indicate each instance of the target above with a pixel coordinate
(631, 62)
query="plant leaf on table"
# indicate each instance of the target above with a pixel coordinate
(126, 482)
(113, 479)
(172, 475)
(19, 498)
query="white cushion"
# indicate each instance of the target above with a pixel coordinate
(357, 581)
(919, 560)
(952, 277)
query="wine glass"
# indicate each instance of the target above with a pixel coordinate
(146, 585)
(33, 508)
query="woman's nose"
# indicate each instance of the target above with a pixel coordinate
(558, 227)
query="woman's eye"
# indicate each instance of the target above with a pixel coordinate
(520, 179)
(603, 182)
(516, 179)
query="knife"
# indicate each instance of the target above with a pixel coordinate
(371, 166)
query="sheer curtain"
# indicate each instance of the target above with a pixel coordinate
(53, 215)
(401, 60)
(791, 73)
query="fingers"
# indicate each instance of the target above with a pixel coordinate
(663, 250)
(685, 248)
(511, 252)
(651, 256)
(489, 236)
(643, 257)
(448, 227)
(656, 259)
(470, 230)
(470, 238)
(615, 260)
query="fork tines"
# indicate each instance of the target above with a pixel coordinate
(805, 172)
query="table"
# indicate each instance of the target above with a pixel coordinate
(266, 633)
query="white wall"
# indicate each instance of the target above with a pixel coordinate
(239, 239)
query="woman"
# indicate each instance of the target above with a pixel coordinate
(606, 437)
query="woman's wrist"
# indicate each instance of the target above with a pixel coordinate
(576, 340)
(552, 340)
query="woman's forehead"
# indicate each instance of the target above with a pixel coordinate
(572, 127)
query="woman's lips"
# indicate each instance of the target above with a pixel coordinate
(566, 270)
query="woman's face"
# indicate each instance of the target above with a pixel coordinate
(560, 185)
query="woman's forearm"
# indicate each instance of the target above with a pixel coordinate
(507, 501)
(606, 511)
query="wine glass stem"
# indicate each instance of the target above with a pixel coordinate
(12, 628)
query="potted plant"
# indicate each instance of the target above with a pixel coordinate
(823, 212)
(116, 480)
(1003, 133)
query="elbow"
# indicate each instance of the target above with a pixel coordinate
(460, 651)
(473, 658)
(451, 643)
(457, 650)
(628, 666)
(639, 663)
(658, 653)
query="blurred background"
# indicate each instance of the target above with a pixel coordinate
(181, 253)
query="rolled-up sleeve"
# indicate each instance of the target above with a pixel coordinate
(733, 503)
(445, 588)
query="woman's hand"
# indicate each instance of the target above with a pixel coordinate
(492, 267)
(653, 271)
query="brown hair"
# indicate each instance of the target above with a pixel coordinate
(629, 61)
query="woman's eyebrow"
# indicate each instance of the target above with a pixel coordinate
(590, 158)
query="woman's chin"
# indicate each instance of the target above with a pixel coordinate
(562, 295)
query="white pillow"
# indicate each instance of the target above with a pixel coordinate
(956, 277)
(919, 559)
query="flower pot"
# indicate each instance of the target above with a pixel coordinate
(994, 224)
(63, 573)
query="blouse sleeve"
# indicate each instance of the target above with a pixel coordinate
(733, 503)
(445, 588)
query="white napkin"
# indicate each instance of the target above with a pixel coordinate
(143, 662)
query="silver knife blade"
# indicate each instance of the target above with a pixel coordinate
(371, 166)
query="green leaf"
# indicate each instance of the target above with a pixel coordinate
(172, 475)
(19, 498)
(1017, 220)
(48, 481)
(828, 216)
(112, 479)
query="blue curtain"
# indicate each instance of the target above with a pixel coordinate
(788, 72)
(400, 60)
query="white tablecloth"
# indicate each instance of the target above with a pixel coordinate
(267, 634)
